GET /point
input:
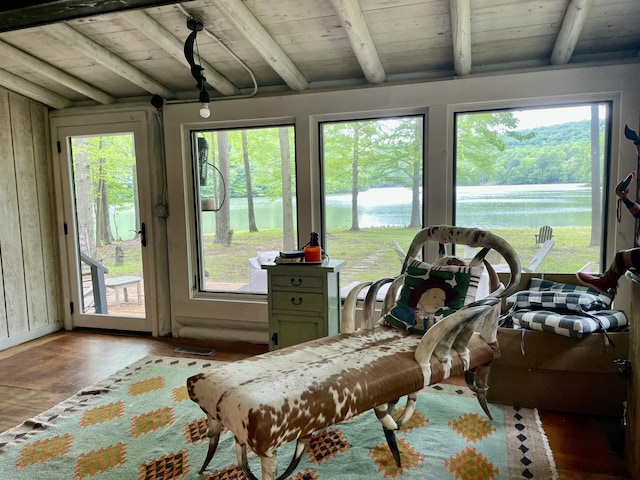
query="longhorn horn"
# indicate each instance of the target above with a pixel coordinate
(476, 381)
(631, 135)
(301, 446)
(214, 437)
(241, 454)
(444, 328)
(348, 322)
(390, 435)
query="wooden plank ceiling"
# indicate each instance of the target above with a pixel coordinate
(70, 52)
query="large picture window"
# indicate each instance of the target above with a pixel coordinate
(245, 204)
(537, 177)
(373, 197)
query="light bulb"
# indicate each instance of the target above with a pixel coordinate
(204, 103)
(204, 110)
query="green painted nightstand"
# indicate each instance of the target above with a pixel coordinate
(304, 302)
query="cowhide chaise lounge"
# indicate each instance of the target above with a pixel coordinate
(284, 395)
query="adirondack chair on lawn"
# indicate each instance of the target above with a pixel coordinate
(545, 233)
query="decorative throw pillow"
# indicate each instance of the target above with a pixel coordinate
(430, 293)
(548, 295)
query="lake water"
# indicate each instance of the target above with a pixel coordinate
(524, 206)
(519, 206)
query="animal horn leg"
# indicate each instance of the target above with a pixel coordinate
(477, 382)
(390, 435)
(214, 437)
(241, 454)
(409, 409)
(301, 446)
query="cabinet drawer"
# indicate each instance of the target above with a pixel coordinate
(296, 281)
(298, 301)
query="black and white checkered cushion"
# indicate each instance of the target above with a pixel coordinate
(547, 295)
(565, 309)
(569, 324)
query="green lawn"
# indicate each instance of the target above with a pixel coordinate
(370, 253)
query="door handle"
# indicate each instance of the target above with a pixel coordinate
(143, 234)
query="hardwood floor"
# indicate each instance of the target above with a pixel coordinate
(39, 374)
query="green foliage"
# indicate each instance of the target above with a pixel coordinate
(487, 155)
(264, 159)
(375, 153)
(479, 136)
(111, 159)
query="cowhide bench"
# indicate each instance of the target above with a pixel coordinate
(271, 399)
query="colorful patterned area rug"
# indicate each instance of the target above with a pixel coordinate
(140, 425)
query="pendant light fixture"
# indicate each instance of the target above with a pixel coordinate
(196, 26)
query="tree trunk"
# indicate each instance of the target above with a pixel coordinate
(288, 237)
(84, 198)
(416, 211)
(355, 227)
(247, 178)
(103, 226)
(223, 215)
(596, 200)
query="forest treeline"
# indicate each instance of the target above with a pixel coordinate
(544, 155)
(389, 156)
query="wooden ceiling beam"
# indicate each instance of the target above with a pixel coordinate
(244, 20)
(175, 47)
(31, 13)
(55, 74)
(33, 91)
(86, 46)
(572, 24)
(461, 33)
(353, 21)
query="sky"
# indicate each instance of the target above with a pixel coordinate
(551, 116)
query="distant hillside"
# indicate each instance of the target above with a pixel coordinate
(556, 134)
(555, 154)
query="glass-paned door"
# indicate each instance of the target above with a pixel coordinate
(107, 234)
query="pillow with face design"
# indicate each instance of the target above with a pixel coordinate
(431, 292)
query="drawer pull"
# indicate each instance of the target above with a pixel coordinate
(296, 302)
(296, 282)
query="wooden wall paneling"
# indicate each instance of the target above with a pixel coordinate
(4, 330)
(28, 211)
(46, 206)
(10, 241)
(4, 134)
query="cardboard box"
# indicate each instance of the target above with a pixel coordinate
(559, 373)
